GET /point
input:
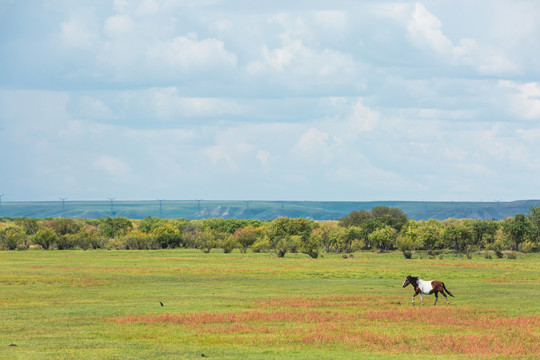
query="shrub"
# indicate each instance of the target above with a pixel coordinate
(89, 237)
(168, 236)
(407, 254)
(511, 255)
(245, 237)
(138, 240)
(117, 226)
(63, 226)
(206, 241)
(45, 238)
(488, 255)
(66, 242)
(499, 253)
(229, 244)
(11, 237)
(526, 246)
(262, 245)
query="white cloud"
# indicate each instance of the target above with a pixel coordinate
(168, 103)
(263, 156)
(118, 169)
(363, 119)
(425, 31)
(91, 108)
(80, 31)
(186, 55)
(524, 99)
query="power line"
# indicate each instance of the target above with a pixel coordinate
(63, 205)
(112, 211)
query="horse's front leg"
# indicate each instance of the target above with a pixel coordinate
(416, 293)
(436, 298)
(421, 299)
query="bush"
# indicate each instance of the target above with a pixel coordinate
(12, 237)
(499, 253)
(262, 245)
(138, 240)
(168, 236)
(66, 242)
(46, 238)
(407, 254)
(229, 244)
(526, 247)
(206, 241)
(511, 255)
(488, 255)
(89, 237)
(113, 227)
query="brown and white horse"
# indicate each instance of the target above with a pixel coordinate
(427, 287)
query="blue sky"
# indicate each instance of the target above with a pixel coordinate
(280, 100)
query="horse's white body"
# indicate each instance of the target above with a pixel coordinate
(425, 286)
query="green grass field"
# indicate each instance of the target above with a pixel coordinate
(105, 305)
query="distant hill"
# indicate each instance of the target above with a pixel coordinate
(262, 210)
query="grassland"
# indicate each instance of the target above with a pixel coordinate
(105, 305)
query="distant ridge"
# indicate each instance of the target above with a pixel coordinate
(262, 210)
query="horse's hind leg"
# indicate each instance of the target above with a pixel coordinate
(446, 297)
(436, 297)
(421, 299)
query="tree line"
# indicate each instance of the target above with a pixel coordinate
(381, 228)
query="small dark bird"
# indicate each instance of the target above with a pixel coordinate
(12, 344)
(202, 355)
(161, 303)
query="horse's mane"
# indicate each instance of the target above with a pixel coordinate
(414, 278)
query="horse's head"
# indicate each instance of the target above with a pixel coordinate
(408, 280)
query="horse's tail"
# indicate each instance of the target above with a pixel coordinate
(445, 289)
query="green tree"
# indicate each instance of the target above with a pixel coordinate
(518, 229)
(383, 238)
(207, 240)
(355, 218)
(329, 235)
(534, 218)
(310, 246)
(389, 216)
(429, 234)
(457, 235)
(245, 237)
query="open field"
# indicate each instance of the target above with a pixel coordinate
(105, 305)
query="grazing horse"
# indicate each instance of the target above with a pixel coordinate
(427, 287)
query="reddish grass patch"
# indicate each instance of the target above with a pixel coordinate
(345, 321)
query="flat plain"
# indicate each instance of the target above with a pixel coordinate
(106, 305)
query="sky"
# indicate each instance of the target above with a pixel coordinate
(278, 100)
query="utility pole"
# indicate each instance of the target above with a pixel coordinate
(112, 199)
(160, 208)
(63, 205)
